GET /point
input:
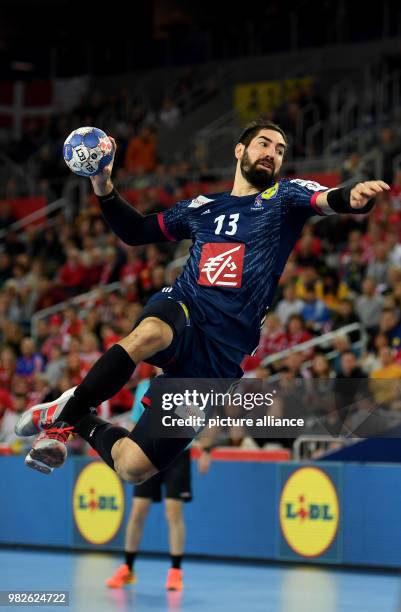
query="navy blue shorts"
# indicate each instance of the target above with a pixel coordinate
(175, 481)
(192, 354)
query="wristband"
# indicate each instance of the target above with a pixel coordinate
(339, 201)
(109, 196)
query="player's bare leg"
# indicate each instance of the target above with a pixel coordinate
(104, 379)
(176, 533)
(125, 574)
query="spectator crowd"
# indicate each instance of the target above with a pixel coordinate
(344, 270)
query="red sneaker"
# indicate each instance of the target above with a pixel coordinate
(174, 579)
(49, 450)
(121, 577)
(42, 416)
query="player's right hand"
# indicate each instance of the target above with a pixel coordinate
(204, 462)
(102, 183)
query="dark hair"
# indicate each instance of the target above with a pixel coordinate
(253, 129)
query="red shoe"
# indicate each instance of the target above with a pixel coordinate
(121, 577)
(174, 579)
(49, 450)
(42, 416)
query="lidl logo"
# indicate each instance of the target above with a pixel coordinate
(309, 512)
(98, 502)
(270, 193)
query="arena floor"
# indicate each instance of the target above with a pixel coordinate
(209, 586)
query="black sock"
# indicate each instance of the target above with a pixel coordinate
(107, 376)
(101, 435)
(176, 561)
(130, 558)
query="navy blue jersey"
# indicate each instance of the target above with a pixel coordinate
(240, 247)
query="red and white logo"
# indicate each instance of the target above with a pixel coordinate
(105, 145)
(221, 264)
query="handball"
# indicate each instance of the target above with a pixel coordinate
(87, 151)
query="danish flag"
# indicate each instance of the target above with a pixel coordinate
(221, 264)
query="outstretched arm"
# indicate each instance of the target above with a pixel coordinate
(355, 199)
(129, 224)
(126, 222)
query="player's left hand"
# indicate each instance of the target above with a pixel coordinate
(363, 192)
(102, 184)
(204, 462)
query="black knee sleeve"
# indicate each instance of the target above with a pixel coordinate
(171, 312)
(160, 451)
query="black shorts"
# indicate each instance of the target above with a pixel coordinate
(191, 354)
(176, 479)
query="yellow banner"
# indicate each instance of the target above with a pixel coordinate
(252, 100)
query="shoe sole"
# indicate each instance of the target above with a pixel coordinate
(53, 457)
(174, 589)
(37, 465)
(121, 586)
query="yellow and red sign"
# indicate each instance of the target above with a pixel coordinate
(309, 511)
(98, 503)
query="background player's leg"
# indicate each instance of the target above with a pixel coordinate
(136, 522)
(176, 528)
(176, 534)
(125, 574)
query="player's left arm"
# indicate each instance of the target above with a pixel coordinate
(355, 199)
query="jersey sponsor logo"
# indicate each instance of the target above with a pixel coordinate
(311, 185)
(221, 265)
(199, 201)
(206, 212)
(167, 289)
(270, 193)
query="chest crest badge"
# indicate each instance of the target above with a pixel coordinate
(270, 193)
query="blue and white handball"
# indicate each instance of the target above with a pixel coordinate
(87, 151)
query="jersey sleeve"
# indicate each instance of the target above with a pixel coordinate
(302, 195)
(174, 222)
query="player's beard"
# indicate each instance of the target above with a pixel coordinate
(258, 177)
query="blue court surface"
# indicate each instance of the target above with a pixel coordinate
(209, 586)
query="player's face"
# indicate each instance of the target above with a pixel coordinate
(262, 158)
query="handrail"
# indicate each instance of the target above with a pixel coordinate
(82, 297)
(319, 126)
(35, 216)
(315, 342)
(311, 106)
(297, 450)
(18, 169)
(396, 164)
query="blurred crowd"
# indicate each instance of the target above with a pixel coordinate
(344, 270)
(132, 119)
(35, 164)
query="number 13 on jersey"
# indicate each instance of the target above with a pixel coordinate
(232, 224)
